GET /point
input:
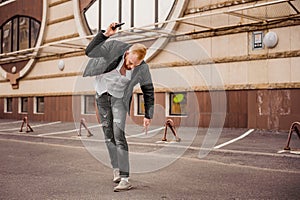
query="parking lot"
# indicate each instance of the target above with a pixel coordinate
(53, 162)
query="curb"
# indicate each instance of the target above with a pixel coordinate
(41, 139)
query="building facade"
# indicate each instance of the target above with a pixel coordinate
(214, 63)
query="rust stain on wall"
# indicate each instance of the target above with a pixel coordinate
(273, 104)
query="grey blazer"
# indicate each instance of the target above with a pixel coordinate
(106, 55)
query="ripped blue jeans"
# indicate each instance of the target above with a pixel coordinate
(112, 115)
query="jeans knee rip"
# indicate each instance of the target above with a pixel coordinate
(105, 123)
(109, 140)
(117, 121)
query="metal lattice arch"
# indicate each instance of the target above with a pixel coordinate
(245, 12)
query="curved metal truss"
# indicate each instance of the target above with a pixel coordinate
(241, 13)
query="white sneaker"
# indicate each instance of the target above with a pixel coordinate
(123, 186)
(117, 177)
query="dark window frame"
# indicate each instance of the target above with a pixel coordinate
(120, 13)
(140, 102)
(86, 101)
(13, 20)
(39, 105)
(24, 108)
(171, 96)
(2, 1)
(8, 105)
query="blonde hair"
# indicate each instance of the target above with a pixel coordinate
(139, 49)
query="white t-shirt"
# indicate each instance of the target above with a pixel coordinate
(113, 82)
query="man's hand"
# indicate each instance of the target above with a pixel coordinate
(109, 31)
(146, 124)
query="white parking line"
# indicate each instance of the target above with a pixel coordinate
(289, 151)
(35, 126)
(144, 134)
(68, 131)
(99, 125)
(234, 140)
(11, 122)
(279, 155)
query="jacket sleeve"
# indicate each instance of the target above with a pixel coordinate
(98, 47)
(148, 92)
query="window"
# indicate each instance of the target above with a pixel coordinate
(178, 104)
(132, 12)
(39, 105)
(140, 104)
(89, 104)
(18, 33)
(7, 34)
(23, 33)
(8, 105)
(23, 105)
(34, 32)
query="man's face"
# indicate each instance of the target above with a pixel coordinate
(131, 61)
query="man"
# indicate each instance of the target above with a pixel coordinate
(118, 67)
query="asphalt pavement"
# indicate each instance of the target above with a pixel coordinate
(53, 162)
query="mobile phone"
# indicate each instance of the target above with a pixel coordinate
(118, 25)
